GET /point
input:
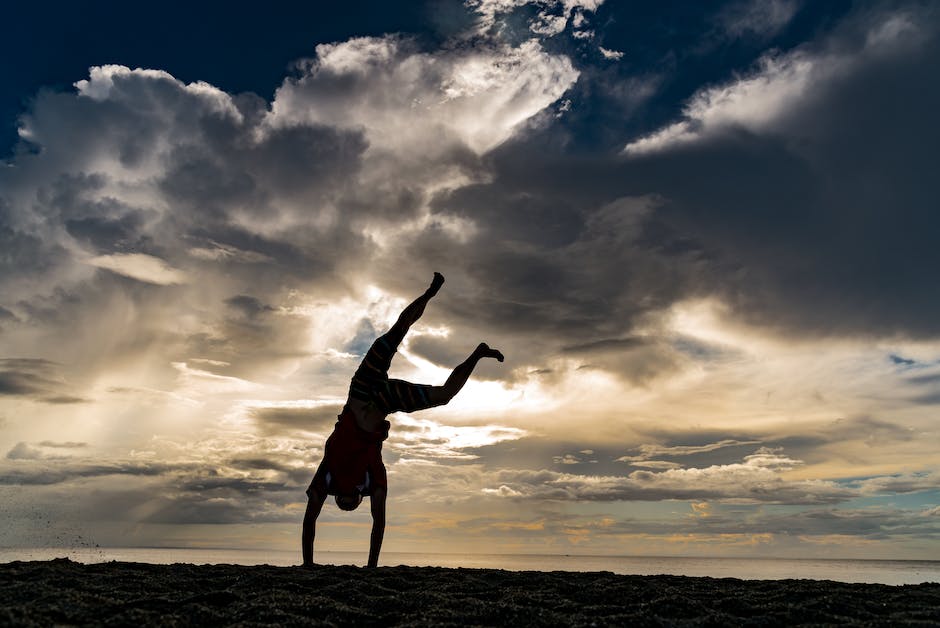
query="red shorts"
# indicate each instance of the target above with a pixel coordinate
(352, 460)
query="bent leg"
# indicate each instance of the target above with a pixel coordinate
(440, 395)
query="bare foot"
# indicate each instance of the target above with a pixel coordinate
(485, 352)
(436, 284)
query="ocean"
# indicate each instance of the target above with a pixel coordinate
(893, 572)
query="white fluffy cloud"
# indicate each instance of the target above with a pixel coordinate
(415, 104)
(767, 99)
(552, 16)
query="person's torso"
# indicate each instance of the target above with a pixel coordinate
(367, 416)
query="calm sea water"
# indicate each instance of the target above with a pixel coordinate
(894, 572)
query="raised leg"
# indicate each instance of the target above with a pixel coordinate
(440, 395)
(412, 312)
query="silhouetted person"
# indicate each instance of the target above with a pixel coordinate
(352, 460)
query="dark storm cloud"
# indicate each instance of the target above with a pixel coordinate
(106, 234)
(812, 444)
(274, 420)
(41, 474)
(13, 383)
(535, 297)
(818, 222)
(295, 476)
(36, 379)
(228, 486)
(250, 307)
(239, 489)
(105, 224)
(23, 253)
(826, 213)
(228, 170)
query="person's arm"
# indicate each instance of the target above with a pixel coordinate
(378, 524)
(315, 499)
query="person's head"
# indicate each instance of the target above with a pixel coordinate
(349, 502)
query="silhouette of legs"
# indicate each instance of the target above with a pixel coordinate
(370, 383)
(412, 313)
(440, 395)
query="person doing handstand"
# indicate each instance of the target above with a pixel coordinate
(352, 464)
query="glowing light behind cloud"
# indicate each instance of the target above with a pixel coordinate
(190, 278)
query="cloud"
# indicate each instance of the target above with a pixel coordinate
(416, 438)
(314, 417)
(654, 464)
(34, 378)
(901, 483)
(36, 451)
(250, 307)
(195, 260)
(23, 451)
(33, 475)
(421, 106)
(208, 199)
(835, 527)
(550, 17)
(648, 451)
(791, 117)
(212, 480)
(141, 267)
(758, 478)
(757, 18)
(754, 103)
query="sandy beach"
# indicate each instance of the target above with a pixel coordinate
(64, 592)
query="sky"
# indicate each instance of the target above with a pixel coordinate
(703, 234)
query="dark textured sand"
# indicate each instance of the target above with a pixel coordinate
(62, 592)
